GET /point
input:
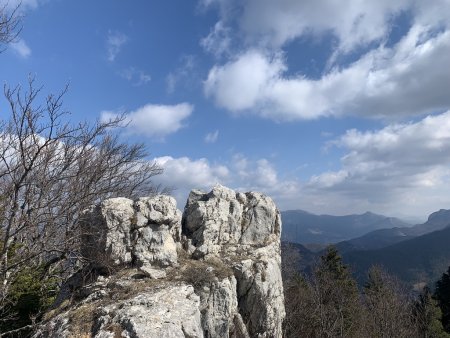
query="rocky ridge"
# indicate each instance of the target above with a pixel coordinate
(213, 271)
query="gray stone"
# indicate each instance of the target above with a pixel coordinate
(119, 231)
(152, 273)
(167, 312)
(225, 218)
(227, 283)
(106, 230)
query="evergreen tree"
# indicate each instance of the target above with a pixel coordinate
(338, 307)
(428, 316)
(325, 304)
(443, 297)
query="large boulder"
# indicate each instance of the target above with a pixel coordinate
(120, 232)
(222, 218)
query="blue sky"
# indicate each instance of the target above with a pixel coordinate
(324, 107)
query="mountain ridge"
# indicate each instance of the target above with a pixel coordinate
(303, 227)
(380, 238)
(421, 259)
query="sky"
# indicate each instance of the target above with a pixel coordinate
(327, 106)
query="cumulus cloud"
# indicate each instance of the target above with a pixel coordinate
(156, 121)
(212, 137)
(356, 23)
(272, 24)
(21, 48)
(402, 168)
(261, 175)
(184, 174)
(411, 78)
(114, 43)
(383, 79)
(242, 174)
(242, 83)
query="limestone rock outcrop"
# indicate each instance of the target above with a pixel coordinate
(213, 271)
(120, 231)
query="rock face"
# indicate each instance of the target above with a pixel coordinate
(213, 272)
(122, 232)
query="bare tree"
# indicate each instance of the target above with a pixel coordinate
(50, 171)
(389, 306)
(10, 24)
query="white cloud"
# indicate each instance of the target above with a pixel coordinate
(261, 175)
(21, 48)
(266, 174)
(410, 78)
(242, 83)
(114, 42)
(355, 23)
(136, 76)
(400, 169)
(212, 137)
(242, 174)
(218, 41)
(184, 174)
(152, 120)
(273, 24)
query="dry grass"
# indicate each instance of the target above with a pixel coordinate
(54, 312)
(201, 272)
(198, 273)
(81, 320)
(116, 329)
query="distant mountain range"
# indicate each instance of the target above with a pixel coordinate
(417, 254)
(303, 227)
(384, 237)
(422, 259)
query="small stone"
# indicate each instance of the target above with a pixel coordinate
(152, 272)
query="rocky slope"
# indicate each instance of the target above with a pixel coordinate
(213, 271)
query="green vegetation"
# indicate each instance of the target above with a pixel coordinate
(429, 316)
(327, 303)
(443, 298)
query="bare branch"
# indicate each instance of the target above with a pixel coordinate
(50, 172)
(10, 25)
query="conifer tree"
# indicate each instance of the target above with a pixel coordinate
(428, 316)
(338, 307)
(443, 297)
